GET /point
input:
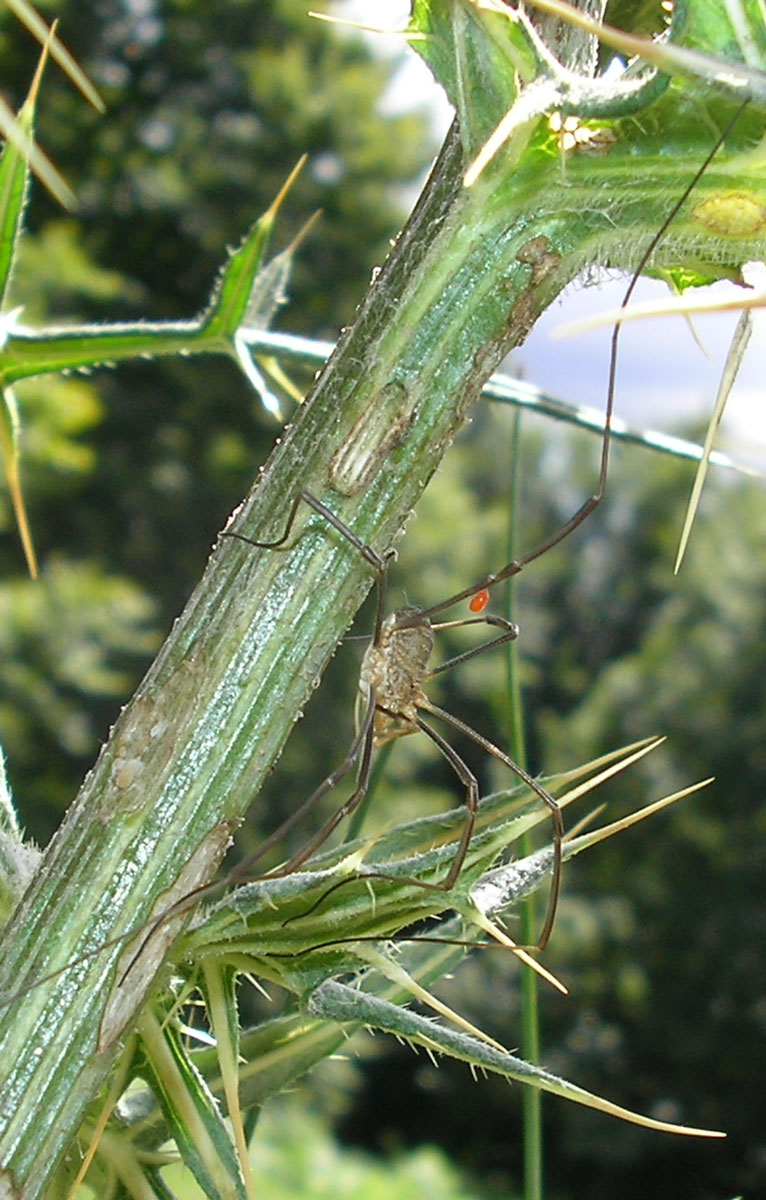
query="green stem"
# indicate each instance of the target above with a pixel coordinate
(531, 1098)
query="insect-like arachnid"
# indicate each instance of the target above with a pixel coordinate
(391, 697)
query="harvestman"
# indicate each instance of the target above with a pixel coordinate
(393, 673)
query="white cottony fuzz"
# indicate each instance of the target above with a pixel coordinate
(506, 885)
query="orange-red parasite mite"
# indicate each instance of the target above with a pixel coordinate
(480, 601)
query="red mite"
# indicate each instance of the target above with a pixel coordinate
(480, 601)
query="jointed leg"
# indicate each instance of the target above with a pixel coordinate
(510, 634)
(466, 777)
(361, 746)
(379, 563)
(548, 800)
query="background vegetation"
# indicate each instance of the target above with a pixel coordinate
(130, 474)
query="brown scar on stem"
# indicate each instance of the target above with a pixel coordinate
(537, 254)
(137, 742)
(371, 439)
(143, 955)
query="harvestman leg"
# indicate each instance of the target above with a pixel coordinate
(362, 746)
(550, 803)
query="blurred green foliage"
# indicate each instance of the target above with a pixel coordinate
(297, 1159)
(130, 474)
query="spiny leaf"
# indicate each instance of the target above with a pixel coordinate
(239, 287)
(338, 1002)
(244, 297)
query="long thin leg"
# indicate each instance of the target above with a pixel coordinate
(548, 800)
(466, 777)
(510, 634)
(585, 509)
(348, 806)
(379, 563)
(361, 749)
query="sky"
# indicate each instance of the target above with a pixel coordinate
(665, 379)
